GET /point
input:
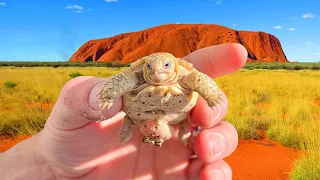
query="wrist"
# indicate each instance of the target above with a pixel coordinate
(23, 161)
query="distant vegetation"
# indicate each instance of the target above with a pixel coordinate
(250, 66)
(63, 64)
(287, 66)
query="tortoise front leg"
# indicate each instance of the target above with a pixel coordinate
(116, 86)
(204, 85)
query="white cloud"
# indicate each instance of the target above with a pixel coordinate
(218, 2)
(309, 15)
(308, 43)
(292, 29)
(77, 8)
(234, 24)
(277, 27)
(2, 4)
(111, 0)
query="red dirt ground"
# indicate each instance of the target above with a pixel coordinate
(253, 159)
(6, 142)
(261, 160)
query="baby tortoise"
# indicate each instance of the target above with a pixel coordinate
(158, 92)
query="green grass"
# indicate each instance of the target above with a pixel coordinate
(25, 108)
(287, 66)
(283, 104)
(63, 64)
(280, 102)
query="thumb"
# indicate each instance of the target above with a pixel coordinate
(78, 104)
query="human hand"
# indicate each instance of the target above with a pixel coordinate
(73, 145)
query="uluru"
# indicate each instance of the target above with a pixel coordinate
(180, 40)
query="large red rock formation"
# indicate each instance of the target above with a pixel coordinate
(179, 40)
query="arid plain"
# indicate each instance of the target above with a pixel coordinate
(276, 113)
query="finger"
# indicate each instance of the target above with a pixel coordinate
(215, 143)
(218, 60)
(206, 117)
(195, 167)
(219, 170)
(78, 104)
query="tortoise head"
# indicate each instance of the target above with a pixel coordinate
(160, 69)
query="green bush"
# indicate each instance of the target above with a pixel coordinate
(273, 67)
(314, 67)
(282, 66)
(75, 74)
(9, 84)
(297, 67)
(289, 68)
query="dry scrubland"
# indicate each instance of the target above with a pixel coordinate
(286, 104)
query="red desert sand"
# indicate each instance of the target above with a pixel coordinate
(253, 159)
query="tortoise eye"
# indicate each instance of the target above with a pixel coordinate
(148, 65)
(167, 64)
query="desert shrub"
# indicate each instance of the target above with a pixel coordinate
(289, 68)
(282, 66)
(264, 67)
(273, 67)
(297, 67)
(262, 97)
(314, 67)
(75, 74)
(9, 84)
(18, 65)
(65, 64)
(248, 132)
(247, 67)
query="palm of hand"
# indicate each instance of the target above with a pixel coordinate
(79, 156)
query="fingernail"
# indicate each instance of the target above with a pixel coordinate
(217, 144)
(93, 100)
(216, 111)
(217, 175)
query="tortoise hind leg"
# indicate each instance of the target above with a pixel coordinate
(126, 130)
(184, 132)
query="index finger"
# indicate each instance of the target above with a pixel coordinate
(215, 61)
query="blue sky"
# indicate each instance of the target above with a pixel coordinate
(38, 30)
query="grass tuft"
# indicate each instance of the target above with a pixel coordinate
(9, 84)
